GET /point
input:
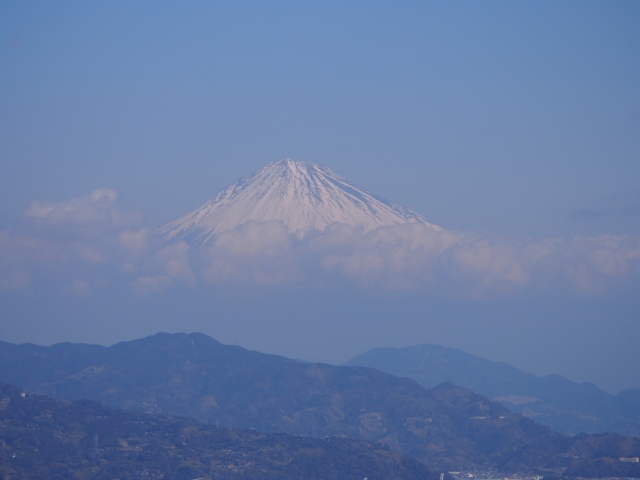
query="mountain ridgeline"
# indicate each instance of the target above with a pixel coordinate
(447, 427)
(556, 401)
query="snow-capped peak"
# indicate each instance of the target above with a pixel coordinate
(304, 196)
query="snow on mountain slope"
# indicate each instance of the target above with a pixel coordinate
(303, 196)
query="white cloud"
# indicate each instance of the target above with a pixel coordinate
(414, 258)
(169, 267)
(83, 237)
(88, 238)
(91, 215)
(134, 242)
(78, 287)
(90, 254)
(174, 260)
(256, 252)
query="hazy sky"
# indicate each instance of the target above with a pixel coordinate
(511, 119)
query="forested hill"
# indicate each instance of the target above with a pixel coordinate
(448, 428)
(553, 400)
(42, 437)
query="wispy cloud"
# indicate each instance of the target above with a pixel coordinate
(70, 242)
(168, 267)
(83, 241)
(92, 215)
(414, 258)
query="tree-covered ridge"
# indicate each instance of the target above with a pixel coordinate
(448, 428)
(565, 406)
(43, 437)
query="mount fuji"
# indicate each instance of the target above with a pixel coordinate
(303, 196)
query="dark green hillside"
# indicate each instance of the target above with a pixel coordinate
(41, 437)
(555, 401)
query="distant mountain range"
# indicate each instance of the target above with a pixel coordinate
(42, 437)
(556, 401)
(303, 196)
(447, 427)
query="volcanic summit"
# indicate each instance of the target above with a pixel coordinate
(303, 196)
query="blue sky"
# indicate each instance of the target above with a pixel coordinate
(516, 119)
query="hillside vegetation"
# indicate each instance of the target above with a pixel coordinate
(42, 437)
(448, 428)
